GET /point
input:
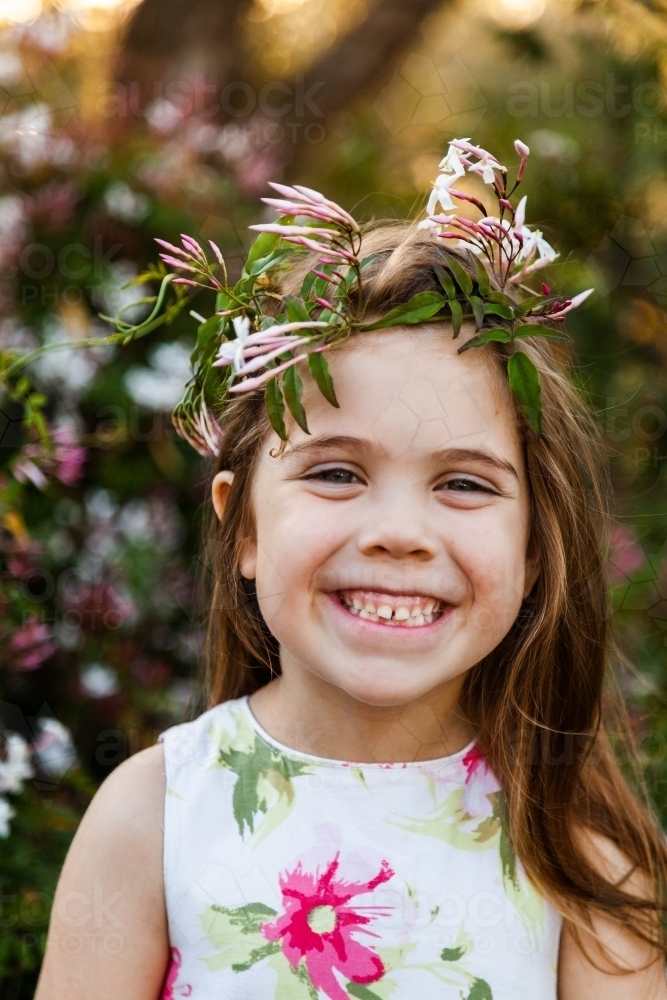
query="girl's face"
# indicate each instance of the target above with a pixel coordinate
(390, 544)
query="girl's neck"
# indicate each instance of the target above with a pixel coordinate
(314, 717)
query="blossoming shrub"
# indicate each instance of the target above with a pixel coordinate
(99, 628)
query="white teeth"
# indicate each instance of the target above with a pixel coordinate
(414, 613)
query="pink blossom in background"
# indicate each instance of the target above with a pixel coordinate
(68, 456)
(21, 554)
(64, 460)
(170, 990)
(32, 644)
(98, 604)
(480, 782)
(317, 925)
(625, 554)
(53, 205)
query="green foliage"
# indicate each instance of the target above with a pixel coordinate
(319, 369)
(293, 390)
(421, 307)
(524, 381)
(275, 407)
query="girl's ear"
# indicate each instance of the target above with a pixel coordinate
(220, 491)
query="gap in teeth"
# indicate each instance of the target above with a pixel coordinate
(410, 611)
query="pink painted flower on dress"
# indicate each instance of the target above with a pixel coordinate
(170, 991)
(318, 924)
(480, 782)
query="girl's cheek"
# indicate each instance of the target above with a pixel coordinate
(497, 582)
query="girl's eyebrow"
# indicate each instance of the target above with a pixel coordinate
(365, 447)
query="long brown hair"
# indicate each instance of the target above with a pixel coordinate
(544, 702)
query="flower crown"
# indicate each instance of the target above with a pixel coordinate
(256, 348)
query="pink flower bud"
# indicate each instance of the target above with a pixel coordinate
(521, 148)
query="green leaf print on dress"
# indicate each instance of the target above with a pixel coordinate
(472, 816)
(264, 776)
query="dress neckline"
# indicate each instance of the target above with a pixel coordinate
(290, 752)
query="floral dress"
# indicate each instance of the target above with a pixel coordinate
(293, 877)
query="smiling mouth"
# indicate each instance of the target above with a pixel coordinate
(402, 611)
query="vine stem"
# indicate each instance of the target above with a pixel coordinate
(130, 333)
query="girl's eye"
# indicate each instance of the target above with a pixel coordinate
(342, 477)
(463, 485)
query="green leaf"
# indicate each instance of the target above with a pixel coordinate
(263, 264)
(361, 992)
(319, 369)
(351, 275)
(482, 274)
(265, 243)
(534, 330)
(261, 248)
(296, 309)
(452, 954)
(501, 298)
(524, 382)
(461, 276)
(293, 389)
(534, 302)
(275, 407)
(207, 334)
(480, 990)
(445, 281)
(421, 307)
(497, 309)
(477, 310)
(320, 285)
(496, 333)
(307, 284)
(457, 316)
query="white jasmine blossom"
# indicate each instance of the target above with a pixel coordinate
(16, 766)
(6, 813)
(232, 351)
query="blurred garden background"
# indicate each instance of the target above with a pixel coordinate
(123, 121)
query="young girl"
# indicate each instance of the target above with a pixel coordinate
(403, 787)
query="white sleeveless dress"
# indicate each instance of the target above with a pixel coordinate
(292, 877)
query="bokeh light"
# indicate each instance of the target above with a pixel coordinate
(19, 11)
(516, 15)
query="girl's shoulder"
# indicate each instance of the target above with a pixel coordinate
(198, 742)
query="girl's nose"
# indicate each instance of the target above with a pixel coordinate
(399, 530)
